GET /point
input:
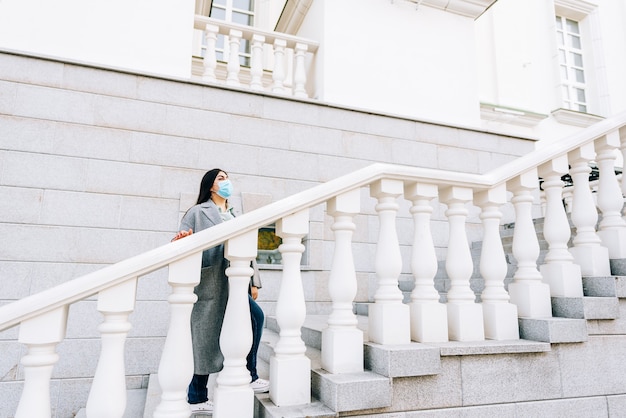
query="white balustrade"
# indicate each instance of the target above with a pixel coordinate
(465, 317)
(234, 66)
(559, 271)
(299, 76)
(256, 62)
(389, 318)
(41, 335)
(107, 398)
(612, 228)
(429, 317)
(290, 369)
(622, 136)
(233, 396)
(210, 58)
(588, 251)
(527, 291)
(500, 316)
(176, 365)
(279, 73)
(342, 341)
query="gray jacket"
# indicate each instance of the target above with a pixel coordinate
(208, 312)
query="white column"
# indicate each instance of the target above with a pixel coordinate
(290, 368)
(342, 341)
(527, 291)
(612, 228)
(389, 318)
(41, 335)
(465, 316)
(233, 66)
(559, 271)
(107, 398)
(233, 396)
(210, 60)
(278, 74)
(256, 62)
(429, 317)
(299, 75)
(588, 251)
(176, 365)
(500, 316)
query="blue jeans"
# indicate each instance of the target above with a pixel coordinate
(197, 392)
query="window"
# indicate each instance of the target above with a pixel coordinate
(236, 11)
(571, 65)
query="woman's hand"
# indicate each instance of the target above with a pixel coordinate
(182, 234)
(254, 292)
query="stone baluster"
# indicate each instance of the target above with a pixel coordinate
(41, 335)
(465, 317)
(233, 396)
(588, 251)
(279, 74)
(612, 228)
(256, 62)
(176, 365)
(209, 61)
(429, 318)
(527, 291)
(389, 318)
(559, 271)
(342, 341)
(233, 67)
(107, 398)
(500, 316)
(299, 77)
(290, 368)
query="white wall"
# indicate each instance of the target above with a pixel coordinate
(153, 36)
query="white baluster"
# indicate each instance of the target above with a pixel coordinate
(465, 317)
(256, 62)
(290, 369)
(278, 74)
(559, 271)
(176, 365)
(389, 318)
(233, 396)
(342, 341)
(588, 252)
(429, 317)
(107, 398)
(209, 61)
(500, 316)
(41, 335)
(612, 228)
(233, 66)
(299, 76)
(622, 135)
(527, 291)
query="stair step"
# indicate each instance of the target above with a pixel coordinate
(588, 307)
(600, 286)
(553, 330)
(351, 391)
(264, 407)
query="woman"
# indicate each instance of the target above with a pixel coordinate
(208, 312)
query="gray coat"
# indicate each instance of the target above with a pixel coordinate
(208, 312)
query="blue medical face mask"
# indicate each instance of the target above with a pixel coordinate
(226, 189)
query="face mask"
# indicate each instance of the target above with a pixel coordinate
(226, 189)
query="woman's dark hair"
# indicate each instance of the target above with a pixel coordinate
(206, 184)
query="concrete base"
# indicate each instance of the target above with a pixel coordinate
(593, 260)
(429, 322)
(342, 350)
(553, 330)
(402, 360)
(351, 391)
(565, 280)
(532, 299)
(295, 373)
(615, 241)
(389, 323)
(500, 321)
(465, 322)
(618, 266)
(233, 402)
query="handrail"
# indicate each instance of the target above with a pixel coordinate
(77, 289)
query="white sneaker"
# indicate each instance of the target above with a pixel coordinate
(260, 386)
(202, 407)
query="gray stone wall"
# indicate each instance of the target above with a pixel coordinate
(98, 165)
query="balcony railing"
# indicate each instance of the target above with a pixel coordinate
(42, 317)
(278, 63)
